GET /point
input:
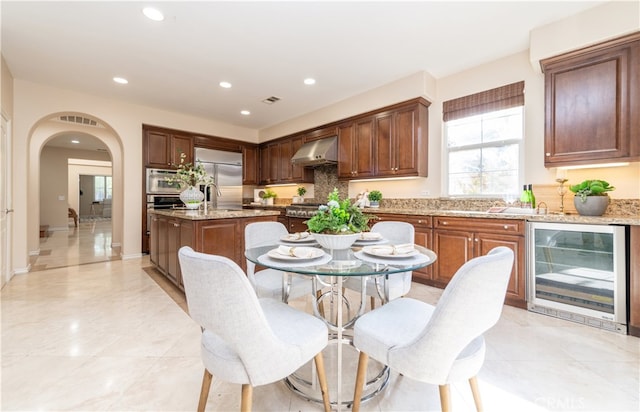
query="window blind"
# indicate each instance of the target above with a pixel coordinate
(500, 98)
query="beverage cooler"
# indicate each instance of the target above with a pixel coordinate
(579, 273)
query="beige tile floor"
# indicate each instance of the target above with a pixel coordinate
(106, 337)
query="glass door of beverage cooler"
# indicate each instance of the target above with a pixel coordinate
(578, 272)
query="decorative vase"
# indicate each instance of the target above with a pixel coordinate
(268, 201)
(336, 242)
(592, 206)
(374, 203)
(192, 197)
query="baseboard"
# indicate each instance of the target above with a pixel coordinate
(34, 252)
(115, 245)
(58, 229)
(131, 256)
(22, 271)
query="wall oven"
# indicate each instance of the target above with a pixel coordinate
(159, 182)
(166, 201)
(579, 273)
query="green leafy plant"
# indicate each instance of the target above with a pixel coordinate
(338, 217)
(189, 174)
(375, 195)
(268, 193)
(302, 190)
(591, 188)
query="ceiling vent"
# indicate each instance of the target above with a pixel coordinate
(270, 100)
(79, 120)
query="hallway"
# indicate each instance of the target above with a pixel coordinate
(90, 242)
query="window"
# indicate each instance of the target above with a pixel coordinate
(101, 188)
(483, 142)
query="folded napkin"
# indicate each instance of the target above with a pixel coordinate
(295, 251)
(370, 236)
(402, 249)
(299, 235)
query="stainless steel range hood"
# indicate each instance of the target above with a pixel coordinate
(317, 152)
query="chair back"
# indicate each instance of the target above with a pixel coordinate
(261, 234)
(395, 232)
(470, 304)
(221, 300)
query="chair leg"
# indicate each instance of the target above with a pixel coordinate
(361, 377)
(322, 377)
(247, 397)
(445, 398)
(476, 393)
(204, 392)
(373, 303)
(321, 307)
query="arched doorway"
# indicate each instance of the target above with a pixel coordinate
(48, 138)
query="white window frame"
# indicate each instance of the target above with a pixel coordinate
(498, 143)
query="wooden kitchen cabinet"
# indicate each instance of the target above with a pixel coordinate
(400, 150)
(250, 165)
(457, 240)
(422, 237)
(299, 174)
(276, 166)
(163, 149)
(592, 104)
(355, 149)
(297, 224)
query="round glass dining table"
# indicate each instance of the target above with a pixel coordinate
(327, 270)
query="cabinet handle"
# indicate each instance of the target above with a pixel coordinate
(445, 223)
(506, 227)
(419, 221)
(476, 239)
(176, 225)
(469, 239)
(547, 154)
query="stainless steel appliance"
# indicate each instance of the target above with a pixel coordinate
(302, 210)
(158, 182)
(226, 170)
(579, 273)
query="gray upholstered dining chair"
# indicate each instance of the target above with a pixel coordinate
(247, 340)
(440, 344)
(269, 282)
(399, 284)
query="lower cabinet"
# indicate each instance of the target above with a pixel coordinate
(224, 237)
(297, 224)
(457, 240)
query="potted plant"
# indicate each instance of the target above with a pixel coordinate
(300, 198)
(191, 176)
(268, 196)
(337, 224)
(591, 197)
(374, 198)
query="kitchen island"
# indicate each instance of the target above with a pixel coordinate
(218, 232)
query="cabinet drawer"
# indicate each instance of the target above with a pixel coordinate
(515, 227)
(417, 221)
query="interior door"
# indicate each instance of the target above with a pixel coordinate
(5, 204)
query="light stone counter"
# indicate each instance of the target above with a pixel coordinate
(214, 214)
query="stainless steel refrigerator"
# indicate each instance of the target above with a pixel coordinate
(226, 169)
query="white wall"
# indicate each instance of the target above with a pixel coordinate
(75, 170)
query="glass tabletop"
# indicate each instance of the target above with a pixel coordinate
(349, 262)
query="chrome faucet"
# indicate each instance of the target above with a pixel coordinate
(206, 187)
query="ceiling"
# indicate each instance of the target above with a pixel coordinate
(263, 48)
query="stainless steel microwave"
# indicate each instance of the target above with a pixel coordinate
(159, 182)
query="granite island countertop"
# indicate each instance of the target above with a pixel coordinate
(213, 214)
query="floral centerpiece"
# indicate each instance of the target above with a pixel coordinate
(191, 175)
(337, 217)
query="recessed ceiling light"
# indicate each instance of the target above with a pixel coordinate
(245, 112)
(120, 80)
(225, 85)
(75, 141)
(153, 14)
(309, 81)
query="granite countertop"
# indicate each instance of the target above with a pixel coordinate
(213, 214)
(556, 218)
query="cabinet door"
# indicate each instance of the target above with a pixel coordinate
(299, 174)
(285, 153)
(221, 237)
(385, 150)
(363, 148)
(589, 100)
(345, 151)
(250, 165)
(484, 242)
(296, 224)
(186, 239)
(163, 246)
(173, 244)
(405, 142)
(265, 170)
(153, 240)
(274, 162)
(157, 148)
(454, 249)
(179, 145)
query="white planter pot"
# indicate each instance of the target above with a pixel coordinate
(592, 206)
(192, 197)
(336, 242)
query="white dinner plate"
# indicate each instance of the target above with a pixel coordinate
(369, 237)
(301, 253)
(296, 238)
(388, 251)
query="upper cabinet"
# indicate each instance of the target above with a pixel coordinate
(163, 149)
(390, 143)
(250, 165)
(275, 162)
(592, 104)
